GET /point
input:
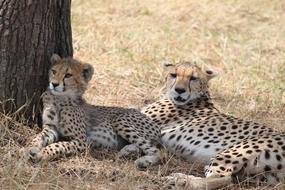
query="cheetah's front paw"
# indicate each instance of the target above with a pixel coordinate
(180, 181)
(145, 161)
(31, 153)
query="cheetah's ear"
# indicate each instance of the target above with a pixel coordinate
(167, 66)
(55, 58)
(209, 72)
(87, 72)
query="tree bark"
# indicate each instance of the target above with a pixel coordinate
(30, 32)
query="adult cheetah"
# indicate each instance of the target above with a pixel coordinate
(193, 128)
(70, 124)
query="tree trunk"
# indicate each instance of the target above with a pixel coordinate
(30, 32)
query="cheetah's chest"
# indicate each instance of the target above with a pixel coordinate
(192, 143)
(202, 139)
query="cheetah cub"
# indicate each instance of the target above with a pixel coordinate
(193, 128)
(70, 124)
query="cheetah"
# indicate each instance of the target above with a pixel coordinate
(70, 125)
(193, 128)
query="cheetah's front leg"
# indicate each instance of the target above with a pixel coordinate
(72, 130)
(63, 148)
(46, 146)
(48, 135)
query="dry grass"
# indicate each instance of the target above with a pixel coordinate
(125, 40)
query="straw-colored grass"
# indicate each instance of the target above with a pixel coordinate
(125, 40)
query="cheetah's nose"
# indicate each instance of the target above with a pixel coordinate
(54, 84)
(180, 90)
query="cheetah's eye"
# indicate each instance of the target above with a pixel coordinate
(53, 71)
(67, 75)
(193, 78)
(173, 75)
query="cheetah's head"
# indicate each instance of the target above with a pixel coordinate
(186, 81)
(68, 77)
